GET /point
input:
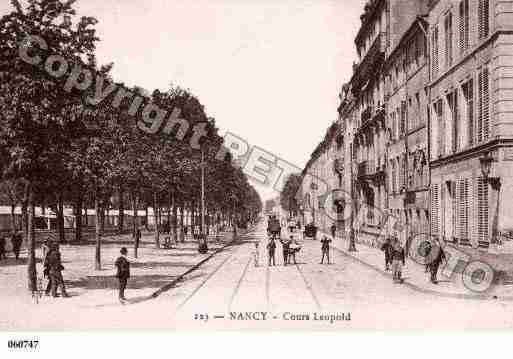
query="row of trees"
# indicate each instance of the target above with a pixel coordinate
(289, 194)
(58, 149)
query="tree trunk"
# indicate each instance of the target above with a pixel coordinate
(86, 216)
(13, 218)
(98, 234)
(102, 218)
(175, 215)
(169, 205)
(31, 242)
(134, 224)
(78, 218)
(121, 218)
(60, 218)
(156, 219)
(146, 216)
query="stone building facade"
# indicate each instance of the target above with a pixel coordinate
(425, 124)
(471, 109)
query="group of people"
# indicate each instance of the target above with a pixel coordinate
(16, 241)
(290, 247)
(52, 269)
(395, 258)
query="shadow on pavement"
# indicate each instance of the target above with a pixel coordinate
(153, 265)
(111, 282)
(11, 261)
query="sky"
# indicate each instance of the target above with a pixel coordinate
(268, 71)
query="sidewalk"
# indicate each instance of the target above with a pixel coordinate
(415, 276)
(153, 270)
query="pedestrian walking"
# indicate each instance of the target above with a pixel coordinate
(53, 269)
(398, 260)
(45, 247)
(439, 257)
(293, 249)
(123, 273)
(325, 249)
(333, 230)
(425, 251)
(2, 248)
(271, 249)
(257, 253)
(292, 225)
(285, 243)
(16, 240)
(387, 249)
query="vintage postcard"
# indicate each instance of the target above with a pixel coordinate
(255, 165)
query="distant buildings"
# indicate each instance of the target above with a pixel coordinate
(425, 126)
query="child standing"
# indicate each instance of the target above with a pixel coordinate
(123, 273)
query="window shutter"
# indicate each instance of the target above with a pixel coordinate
(435, 210)
(463, 210)
(441, 128)
(462, 27)
(467, 204)
(434, 50)
(482, 213)
(457, 122)
(448, 40)
(483, 123)
(464, 23)
(442, 211)
(483, 18)
(454, 205)
(468, 89)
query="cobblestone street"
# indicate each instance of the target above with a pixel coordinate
(222, 291)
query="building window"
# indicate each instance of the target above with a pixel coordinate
(439, 113)
(464, 25)
(452, 101)
(483, 13)
(448, 40)
(434, 51)
(417, 109)
(403, 118)
(482, 212)
(468, 94)
(463, 198)
(435, 210)
(483, 120)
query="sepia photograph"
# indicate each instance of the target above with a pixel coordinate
(274, 165)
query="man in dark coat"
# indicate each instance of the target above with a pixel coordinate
(387, 248)
(271, 249)
(16, 241)
(285, 243)
(325, 249)
(398, 260)
(333, 230)
(123, 273)
(2, 248)
(439, 257)
(53, 266)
